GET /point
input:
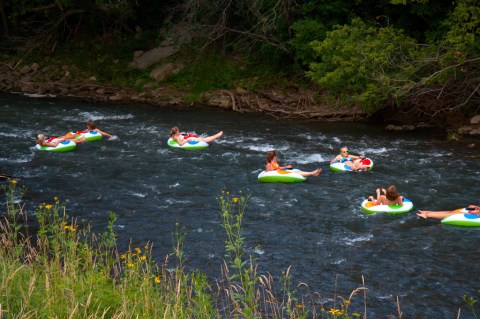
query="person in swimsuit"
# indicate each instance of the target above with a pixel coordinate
(178, 136)
(390, 197)
(92, 127)
(55, 140)
(473, 209)
(352, 161)
(272, 165)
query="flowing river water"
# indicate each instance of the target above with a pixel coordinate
(316, 227)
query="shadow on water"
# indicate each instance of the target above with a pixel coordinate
(316, 226)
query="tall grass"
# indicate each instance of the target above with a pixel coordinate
(63, 270)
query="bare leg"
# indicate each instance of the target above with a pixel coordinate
(316, 172)
(212, 138)
(436, 215)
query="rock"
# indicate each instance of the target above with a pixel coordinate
(153, 56)
(116, 97)
(394, 128)
(137, 54)
(464, 129)
(160, 73)
(475, 131)
(408, 127)
(240, 91)
(26, 69)
(35, 67)
(475, 119)
(92, 78)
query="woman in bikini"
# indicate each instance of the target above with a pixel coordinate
(390, 197)
(55, 140)
(351, 161)
(92, 127)
(178, 136)
(272, 165)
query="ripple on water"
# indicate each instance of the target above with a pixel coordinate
(316, 227)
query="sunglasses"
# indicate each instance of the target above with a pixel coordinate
(344, 151)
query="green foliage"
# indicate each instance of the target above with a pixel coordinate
(358, 60)
(464, 27)
(471, 301)
(306, 31)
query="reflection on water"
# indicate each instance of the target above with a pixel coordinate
(316, 226)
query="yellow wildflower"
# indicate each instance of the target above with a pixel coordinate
(335, 311)
(48, 206)
(124, 256)
(143, 258)
(235, 199)
(14, 182)
(347, 302)
(138, 250)
(157, 280)
(130, 265)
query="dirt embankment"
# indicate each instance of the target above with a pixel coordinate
(294, 102)
(53, 81)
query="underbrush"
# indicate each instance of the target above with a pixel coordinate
(64, 270)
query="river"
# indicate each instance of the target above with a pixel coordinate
(316, 227)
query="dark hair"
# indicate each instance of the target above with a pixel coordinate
(270, 156)
(173, 131)
(91, 124)
(392, 193)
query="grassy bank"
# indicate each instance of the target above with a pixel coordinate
(53, 267)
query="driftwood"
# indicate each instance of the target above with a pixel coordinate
(296, 106)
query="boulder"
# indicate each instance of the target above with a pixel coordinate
(475, 119)
(160, 73)
(153, 56)
(475, 131)
(464, 129)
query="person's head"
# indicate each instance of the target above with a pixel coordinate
(392, 193)
(40, 139)
(174, 131)
(270, 156)
(91, 125)
(344, 151)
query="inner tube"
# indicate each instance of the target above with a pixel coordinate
(282, 176)
(368, 207)
(190, 145)
(90, 136)
(341, 167)
(65, 146)
(463, 218)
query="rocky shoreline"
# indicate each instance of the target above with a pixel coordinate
(53, 81)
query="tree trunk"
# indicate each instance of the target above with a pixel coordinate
(6, 32)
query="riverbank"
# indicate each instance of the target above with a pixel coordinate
(67, 81)
(52, 81)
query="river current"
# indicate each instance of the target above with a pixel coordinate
(316, 227)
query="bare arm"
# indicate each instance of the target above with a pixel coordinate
(103, 133)
(335, 159)
(180, 140)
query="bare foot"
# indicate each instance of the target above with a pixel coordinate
(423, 214)
(317, 172)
